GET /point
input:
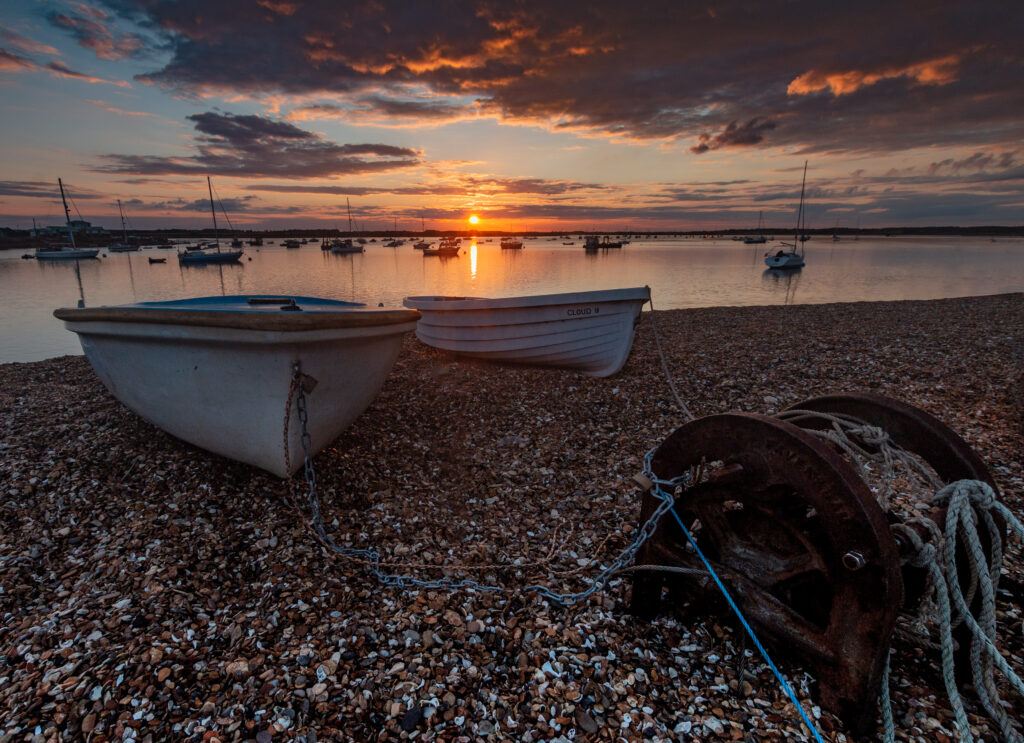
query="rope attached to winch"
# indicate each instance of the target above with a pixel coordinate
(966, 502)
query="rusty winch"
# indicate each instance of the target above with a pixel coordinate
(797, 535)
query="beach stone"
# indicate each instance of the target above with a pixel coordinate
(177, 533)
(411, 719)
(238, 669)
(585, 721)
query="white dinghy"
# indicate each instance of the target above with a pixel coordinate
(218, 371)
(588, 331)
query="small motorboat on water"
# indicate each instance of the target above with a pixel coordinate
(446, 247)
(588, 331)
(593, 243)
(218, 371)
(345, 247)
(193, 257)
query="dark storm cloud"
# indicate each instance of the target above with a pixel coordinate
(818, 77)
(257, 147)
(734, 135)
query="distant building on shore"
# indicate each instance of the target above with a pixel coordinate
(78, 226)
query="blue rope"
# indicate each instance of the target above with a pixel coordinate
(764, 653)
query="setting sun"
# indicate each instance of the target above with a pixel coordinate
(474, 219)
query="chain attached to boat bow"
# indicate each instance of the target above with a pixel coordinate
(371, 558)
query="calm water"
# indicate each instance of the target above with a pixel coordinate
(680, 272)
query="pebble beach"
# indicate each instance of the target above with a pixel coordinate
(151, 591)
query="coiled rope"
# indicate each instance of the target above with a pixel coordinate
(967, 503)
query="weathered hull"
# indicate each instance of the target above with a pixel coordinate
(588, 331)
(221, 378)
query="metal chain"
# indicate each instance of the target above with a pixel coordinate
(371, 558)
(663, 490)
(295, 383)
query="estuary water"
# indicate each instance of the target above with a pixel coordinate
(682, 272)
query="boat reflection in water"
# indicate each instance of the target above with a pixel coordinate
(784, 279)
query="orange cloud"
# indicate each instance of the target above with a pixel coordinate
(941, 71)
(58, 69)
(281, 8)
(115, 110)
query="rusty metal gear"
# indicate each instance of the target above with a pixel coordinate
(796, 535)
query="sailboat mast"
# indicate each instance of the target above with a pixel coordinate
(213, 211)
(800, 213)
(67, 212)
(124, 230)
(348, 205)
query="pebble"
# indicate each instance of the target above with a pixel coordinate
(150, 591)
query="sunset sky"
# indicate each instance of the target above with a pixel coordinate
(576, 114)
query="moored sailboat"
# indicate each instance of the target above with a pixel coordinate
(62, 253)
(759, 238)
(125, 246)
(201, 255)
(785, 259)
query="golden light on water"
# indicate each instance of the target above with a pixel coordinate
(474, 219)
(472, 260)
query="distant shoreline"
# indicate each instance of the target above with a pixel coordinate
(11, 239)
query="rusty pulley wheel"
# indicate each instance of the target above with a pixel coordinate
(797, 537)
(952, 458)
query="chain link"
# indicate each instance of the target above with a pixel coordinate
(662, 489)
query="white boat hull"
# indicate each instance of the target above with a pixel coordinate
(229, 389)
(588, 331)
(67, 254)
(786, 260)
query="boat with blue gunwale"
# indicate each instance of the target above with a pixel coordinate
(218, 372)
